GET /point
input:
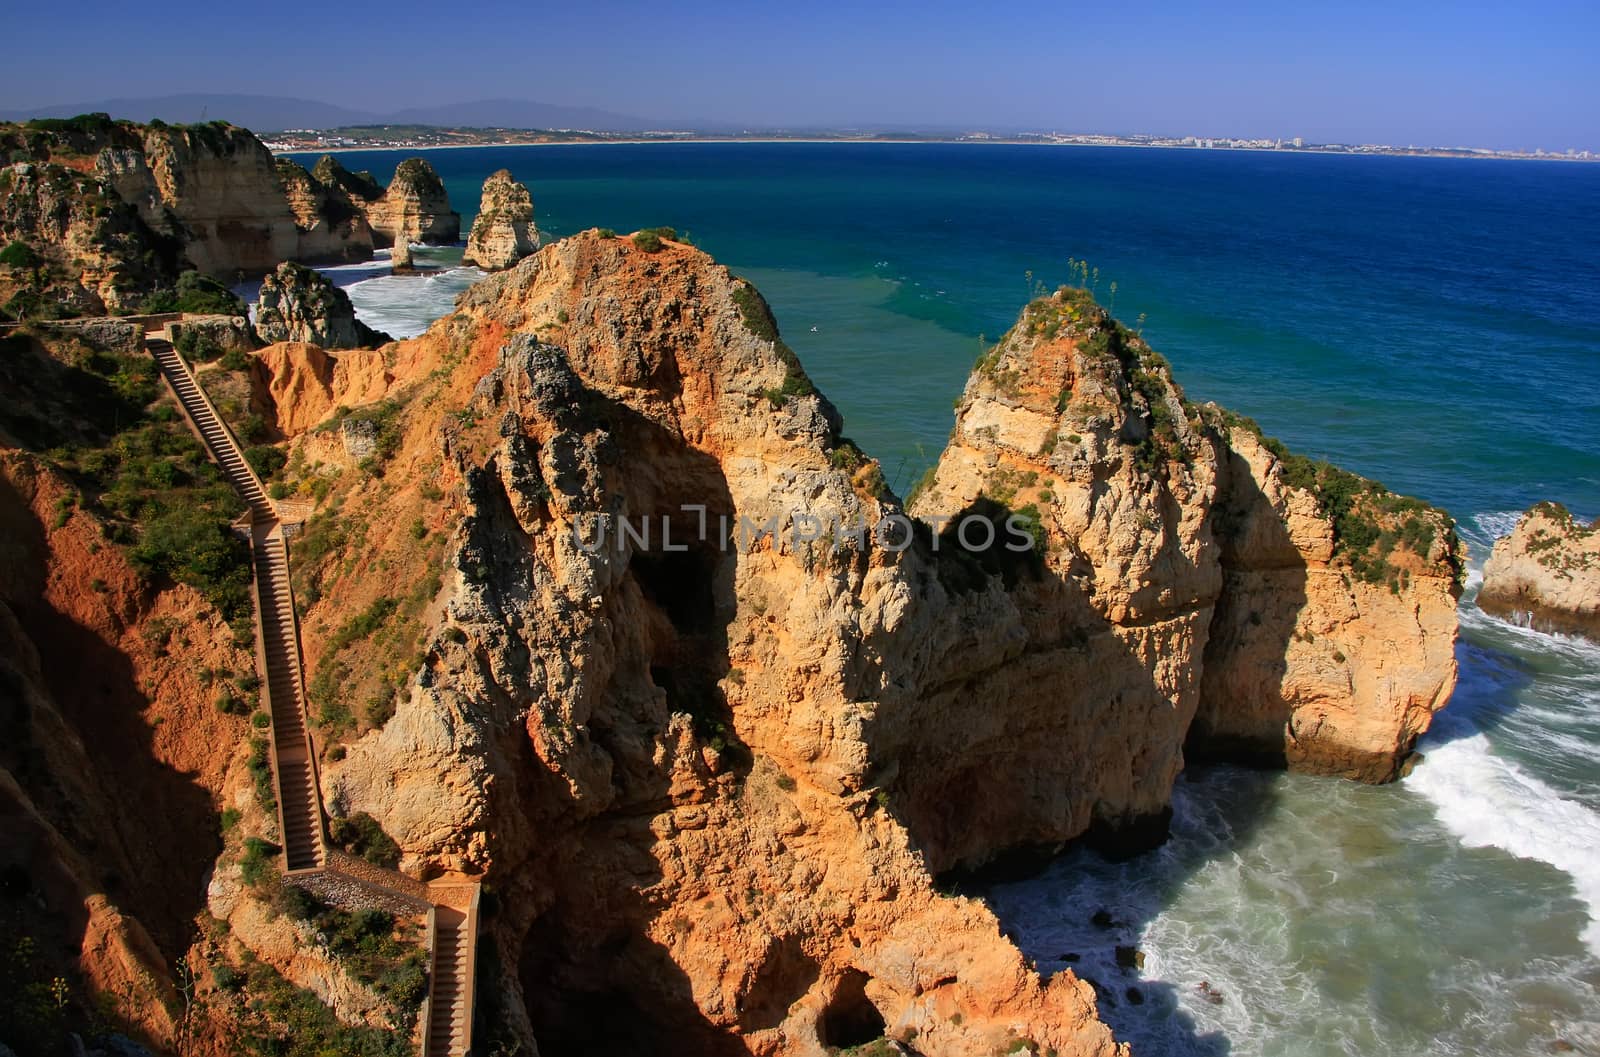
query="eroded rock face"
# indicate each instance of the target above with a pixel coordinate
(117, 211)
(1323, 656)
(1546, 574)
(504, 231)
(331, 226)
(113, 753)
(415, 207)
(299, 304)
(712, 785)
(91, 252)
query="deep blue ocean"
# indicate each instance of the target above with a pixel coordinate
(1433, 323)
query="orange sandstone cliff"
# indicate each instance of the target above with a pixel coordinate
(710, 774)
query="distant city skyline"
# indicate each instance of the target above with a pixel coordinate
(1397, 73)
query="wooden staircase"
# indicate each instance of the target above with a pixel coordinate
(445, 1026)
(299, 801)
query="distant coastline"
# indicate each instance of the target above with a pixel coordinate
(285, 147)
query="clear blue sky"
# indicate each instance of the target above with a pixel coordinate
(1503, 75)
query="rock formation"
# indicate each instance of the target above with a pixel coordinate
(645, 748)
(415, 207)
(299, 304)
(400, 258)
(79, 250)
(331, 226)
(711, 767)
(1546, 574)
(114, 211)
(504, 231)
(215, 189)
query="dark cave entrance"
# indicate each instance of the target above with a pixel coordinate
(682, 585)
(850, 1018)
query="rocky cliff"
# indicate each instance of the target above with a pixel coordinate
(113, 212)
(601, 607)
(650, 747)
(332, 226)
(299, 304)
(1546, 574)
(73, 247)
(414, 207)
(503, 232)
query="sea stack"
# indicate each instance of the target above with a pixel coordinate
(504, 231)
(1546, 574)
(415, 207)
(400, 258)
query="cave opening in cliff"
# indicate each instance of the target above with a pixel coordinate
(681, 584)
(850, 1018)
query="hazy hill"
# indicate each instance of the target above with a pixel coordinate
(271, 113)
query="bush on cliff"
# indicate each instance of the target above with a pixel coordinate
(195, 293)
(362, 836)
(19, 255)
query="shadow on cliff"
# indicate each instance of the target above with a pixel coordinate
(1086, 905)
(593, 978)
(150, 830)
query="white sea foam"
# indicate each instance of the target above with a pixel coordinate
(1486, 800)
(404, 306)
(1481, 530)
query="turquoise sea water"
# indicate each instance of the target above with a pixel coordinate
(1431, 323)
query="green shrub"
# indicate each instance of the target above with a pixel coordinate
(265, 460)
(260, 767)
(363, 624)
(226, 977)
(195, 346)
(362, 836)
(287, 1021)
(647, 241)
(195, 293)
(255, 865)
(189, 546)
(20, 255)
(234, 360)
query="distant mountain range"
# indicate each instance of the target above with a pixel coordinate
(263, 113)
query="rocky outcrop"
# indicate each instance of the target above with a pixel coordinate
(300, 304)
(415, 207)
(652, 747)
(1332, 643)
(84, 251)
(332, 227)
(504, 231)
(119, 210)
(215, 189)
(400, 258)
(1546, 574)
